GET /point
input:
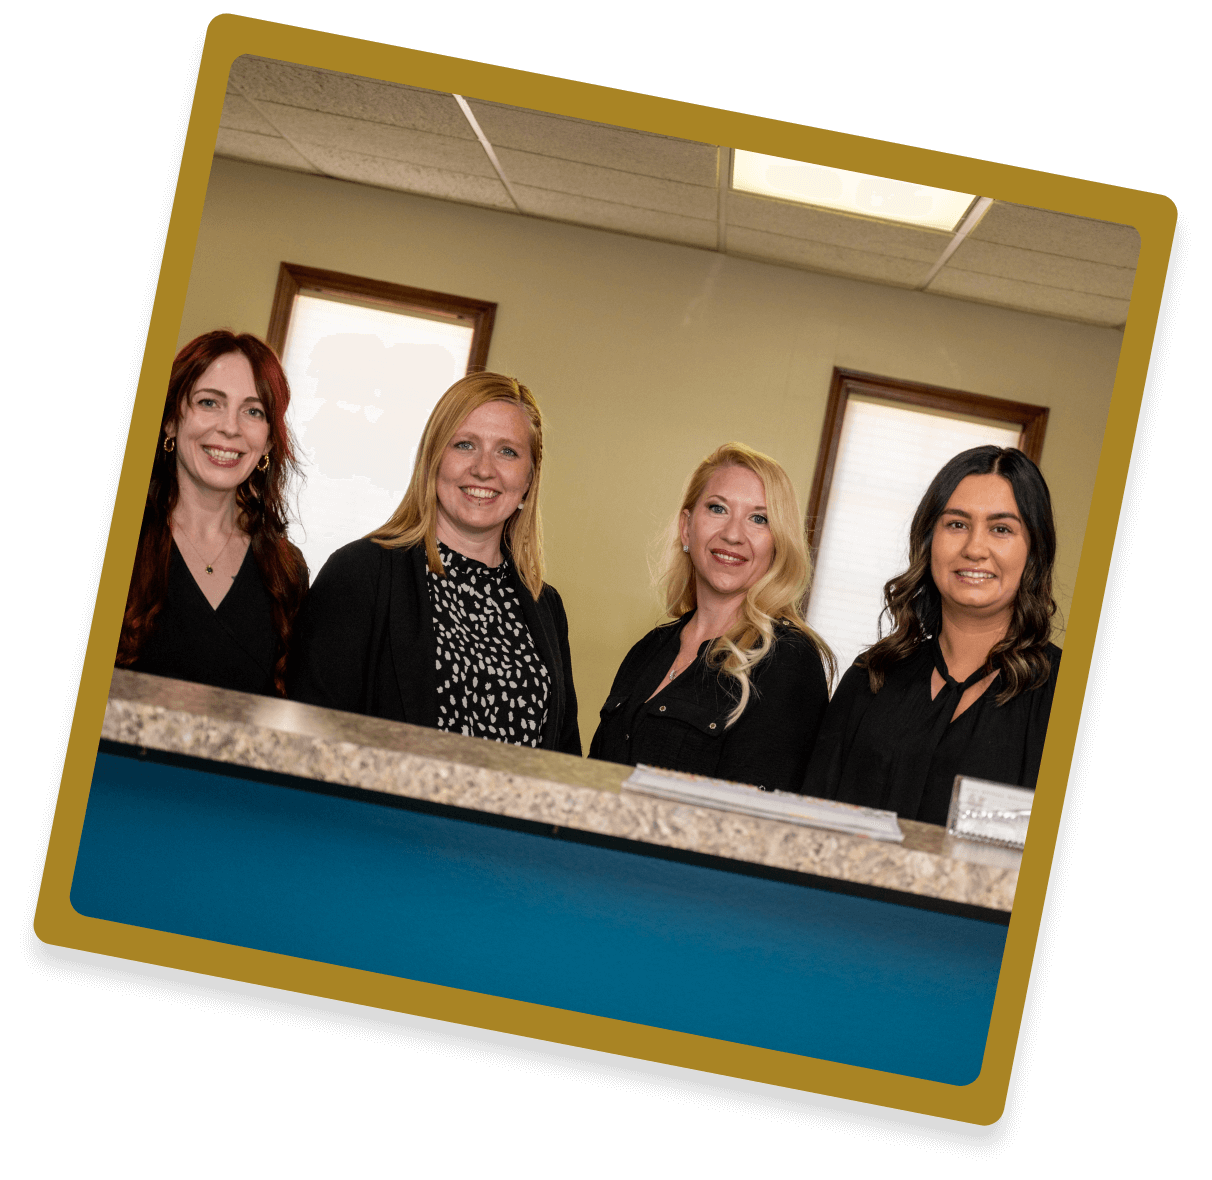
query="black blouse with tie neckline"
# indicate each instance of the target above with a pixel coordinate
(233, 645)
(899, 750)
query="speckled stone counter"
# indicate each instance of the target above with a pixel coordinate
(565, 792)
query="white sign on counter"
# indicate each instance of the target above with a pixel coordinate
(993, 813)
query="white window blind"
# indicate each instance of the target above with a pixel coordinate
(887, 455)
(363, 382)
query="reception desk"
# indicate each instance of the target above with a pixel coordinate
(531, 875)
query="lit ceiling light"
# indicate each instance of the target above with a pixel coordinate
(849, 192)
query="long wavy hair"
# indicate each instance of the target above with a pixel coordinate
(773, 599)
(260, 500)
(913, 605)
(415, 522)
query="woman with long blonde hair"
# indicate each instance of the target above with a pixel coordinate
(736, 686)
(441, 617)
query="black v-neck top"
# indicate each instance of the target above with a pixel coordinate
(232, 646)
(900, 751)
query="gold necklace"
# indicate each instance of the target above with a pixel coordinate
(210, 565)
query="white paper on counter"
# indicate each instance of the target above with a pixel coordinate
(781, 805)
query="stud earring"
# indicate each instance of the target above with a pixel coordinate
(685, 548)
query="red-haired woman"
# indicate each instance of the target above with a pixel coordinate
(216, 584)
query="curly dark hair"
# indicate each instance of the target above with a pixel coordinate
(913, 605)
(260, 501)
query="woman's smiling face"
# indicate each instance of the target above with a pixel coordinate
(223, 428)
(484, 474)
(980, 547)
(728, 534)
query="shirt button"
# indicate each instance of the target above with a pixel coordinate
(711, 726)
(626, 737)
(662, 709)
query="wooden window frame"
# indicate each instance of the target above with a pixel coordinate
(479, 314)
(1032, 421)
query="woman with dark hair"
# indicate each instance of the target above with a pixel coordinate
(963, 684)
(441, 617)
(736, 686)
(216, 584)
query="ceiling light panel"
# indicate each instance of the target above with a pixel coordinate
(849, 192)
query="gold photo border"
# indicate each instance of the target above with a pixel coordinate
(229, 37)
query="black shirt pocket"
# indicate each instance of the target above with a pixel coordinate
(680, 735)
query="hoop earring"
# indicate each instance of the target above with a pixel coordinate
(170, 444)
(263, 465)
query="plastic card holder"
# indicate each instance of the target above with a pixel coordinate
(991, 813)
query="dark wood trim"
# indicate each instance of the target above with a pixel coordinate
(478, 313)
(1032, 422)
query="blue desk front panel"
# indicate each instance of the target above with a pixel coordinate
(513, 914)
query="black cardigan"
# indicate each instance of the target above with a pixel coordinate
(684, 726)
(364, 642)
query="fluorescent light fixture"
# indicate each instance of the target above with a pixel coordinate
(848, 192)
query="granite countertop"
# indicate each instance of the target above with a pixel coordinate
(557, 789)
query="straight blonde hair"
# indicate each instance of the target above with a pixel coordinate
(415, 521)
(776, 597)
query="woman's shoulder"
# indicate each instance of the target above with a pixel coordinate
(652, 641)
(363, 555)
(793, 647)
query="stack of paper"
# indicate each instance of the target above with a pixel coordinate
(781, 805)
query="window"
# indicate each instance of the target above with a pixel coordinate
(882, 443)
(367, 362)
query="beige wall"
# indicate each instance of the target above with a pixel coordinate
(644, 357)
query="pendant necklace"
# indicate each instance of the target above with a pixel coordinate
(210, 565)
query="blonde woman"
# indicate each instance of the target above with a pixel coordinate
(441, 617)
(736, 686)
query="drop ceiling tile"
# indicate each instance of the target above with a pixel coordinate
(630, 219)
(410, 178)
(836, 229)
(608, 184)
(819, 256)
(259, 149)
(1052, 270)
(403, 144)
(1033, 297)
(240, 115)
(594, 143)
(1059, 233)
(344, 94)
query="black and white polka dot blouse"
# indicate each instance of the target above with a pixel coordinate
(491, 681)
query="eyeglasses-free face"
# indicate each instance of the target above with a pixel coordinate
(484, 475)
(728, 535)
(980, 547)
(223, 429)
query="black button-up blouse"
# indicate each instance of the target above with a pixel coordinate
(685, 726)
